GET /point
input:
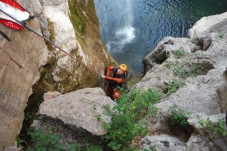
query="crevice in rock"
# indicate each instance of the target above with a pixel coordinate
(157, 57)
(183, 132)
(202, 43)
(29, 114)
(202, 66)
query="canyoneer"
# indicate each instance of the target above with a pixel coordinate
(115, 77)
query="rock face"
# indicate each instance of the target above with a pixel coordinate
(63, 73)
(20, 60)
(80, 109)
(199, 63)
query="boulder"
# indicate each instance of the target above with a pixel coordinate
(82, 109)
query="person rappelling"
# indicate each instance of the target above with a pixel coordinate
(115, 77)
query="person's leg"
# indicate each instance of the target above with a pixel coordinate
(109, 91)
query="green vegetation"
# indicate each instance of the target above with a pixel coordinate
(184, 71)
(77, 18)
(126, 116)
(172, 86)
(218, 129)
(180, 53)
(47, 141)
(151, 148)
(52, 34)
(179, 116)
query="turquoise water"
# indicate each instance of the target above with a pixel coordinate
(132, 28)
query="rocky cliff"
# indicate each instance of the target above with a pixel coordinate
(20, 60)
(195, 68)
(191, 74)
(29, 64)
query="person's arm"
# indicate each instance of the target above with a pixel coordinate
(108, 77)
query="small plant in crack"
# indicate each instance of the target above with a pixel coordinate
(180, 53)
(172, 86)
(218, 129)
(179, 116)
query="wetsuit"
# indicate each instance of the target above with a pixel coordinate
(115, 80)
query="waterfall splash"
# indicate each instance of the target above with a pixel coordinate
(121, 25)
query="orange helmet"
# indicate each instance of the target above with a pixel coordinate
(123, 67)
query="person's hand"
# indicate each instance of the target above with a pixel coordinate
(103, 76)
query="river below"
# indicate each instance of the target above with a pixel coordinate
(132, 28)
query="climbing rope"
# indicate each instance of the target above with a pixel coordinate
(52, 43)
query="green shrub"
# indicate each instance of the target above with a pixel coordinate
(172, 86)
(126, 116)
(179, 116)
(185, 71)
(47, 141)
(180, 53)
(214, 129)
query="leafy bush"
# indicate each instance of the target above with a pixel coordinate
(214, 129)
(47, 141)
(179, 116)
(172, 86)
(180, 53)
(184, 72)
(130, 109)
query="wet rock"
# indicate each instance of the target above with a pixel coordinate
(82, 109)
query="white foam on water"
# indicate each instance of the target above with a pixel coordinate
(125, 35)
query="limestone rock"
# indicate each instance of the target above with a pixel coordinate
(203, 93)
(50, 95)
(209, 24)
(20, 60)
(11, 148)
(80, 108)
(163, 143)
(63, 31)
(201, 139)
(165, 49)
(63, 73)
